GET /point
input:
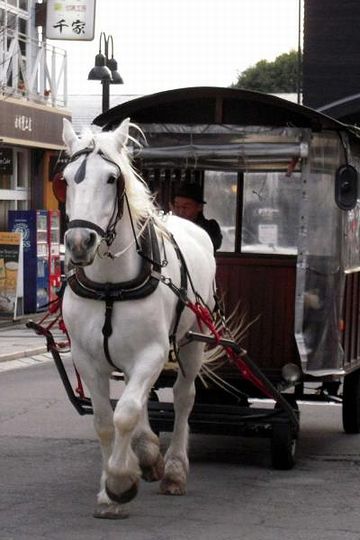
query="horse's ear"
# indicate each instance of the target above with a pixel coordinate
(122, 133)
(69, 135)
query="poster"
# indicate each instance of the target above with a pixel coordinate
(11, 275)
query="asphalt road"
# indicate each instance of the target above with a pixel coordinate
(50, 466)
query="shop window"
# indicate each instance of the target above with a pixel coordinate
(22, 26)
(11, 23)
(5, 181)
(220, 193)
(22, 170)
(14, 183)
(22, 205)
(5, 206)
(24, 5)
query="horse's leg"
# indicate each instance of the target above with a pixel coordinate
(123, 470)
(146, 446)
(99, 389)
(176, 458)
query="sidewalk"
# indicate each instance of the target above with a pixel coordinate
(17, 341)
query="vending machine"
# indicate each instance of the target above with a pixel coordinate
(54, 253)
(33, 224)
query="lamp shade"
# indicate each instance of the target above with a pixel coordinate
(100, 71)
(116, 77)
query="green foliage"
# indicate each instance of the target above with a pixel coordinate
(278, 76)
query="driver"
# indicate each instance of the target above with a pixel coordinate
(188, 203)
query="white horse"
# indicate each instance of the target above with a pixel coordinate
(102, 243)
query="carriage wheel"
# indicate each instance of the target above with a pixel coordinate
(351, 403)
(283, 447)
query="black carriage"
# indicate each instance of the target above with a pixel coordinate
(282, 181)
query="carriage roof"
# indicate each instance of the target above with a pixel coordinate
(213, 105)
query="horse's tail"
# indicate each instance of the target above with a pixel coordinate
(234, 327)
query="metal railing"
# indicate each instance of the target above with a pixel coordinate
(32, 69)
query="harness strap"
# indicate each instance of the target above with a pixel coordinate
(73, 224)
(180, 306)
(107, 329)
(139, 287)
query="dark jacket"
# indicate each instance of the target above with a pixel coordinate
(212, 228)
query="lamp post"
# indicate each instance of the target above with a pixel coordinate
(105, 69)
(299, 59)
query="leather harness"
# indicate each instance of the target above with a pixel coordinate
(140, 287)
(150, 272)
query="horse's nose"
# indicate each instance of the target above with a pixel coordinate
(80, 243)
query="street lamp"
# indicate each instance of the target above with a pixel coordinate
(105, 70)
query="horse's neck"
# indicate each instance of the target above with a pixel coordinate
(122, 268)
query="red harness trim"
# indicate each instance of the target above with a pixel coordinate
(204, 317)
(55, 308)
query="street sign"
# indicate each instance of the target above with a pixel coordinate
(71, 20)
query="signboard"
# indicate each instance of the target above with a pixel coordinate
(6, 161)
(72, 20)
(11, 275)
(36, 125)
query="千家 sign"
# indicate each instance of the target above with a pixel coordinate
(70, 19)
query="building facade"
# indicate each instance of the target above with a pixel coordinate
(331, 51)
(33, 103)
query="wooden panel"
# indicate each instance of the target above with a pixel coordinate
(351, 316)
(354, 318)
(266, 291)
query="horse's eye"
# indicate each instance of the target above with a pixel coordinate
(111, 180)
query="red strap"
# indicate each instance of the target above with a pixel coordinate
(204, 316)
(79, 388)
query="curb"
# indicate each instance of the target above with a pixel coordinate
(22, 354)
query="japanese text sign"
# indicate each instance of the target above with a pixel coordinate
(70, 19)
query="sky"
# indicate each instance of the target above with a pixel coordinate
(165, 44)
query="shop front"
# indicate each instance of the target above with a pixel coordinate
(30, 147)
(30, 138)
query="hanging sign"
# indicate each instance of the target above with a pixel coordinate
(11, 275)
(72, 20)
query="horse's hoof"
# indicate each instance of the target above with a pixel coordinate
(110, 511)
(170, 487)
(155, 472)
(125, 496)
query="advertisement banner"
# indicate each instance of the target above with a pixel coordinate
(11, 275)
(72, 20)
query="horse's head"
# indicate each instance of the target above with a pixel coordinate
(95, 187)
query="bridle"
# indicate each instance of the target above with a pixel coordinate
(107, 235)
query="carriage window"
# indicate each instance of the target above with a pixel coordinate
(270, 213)
(220, 190)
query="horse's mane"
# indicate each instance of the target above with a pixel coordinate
(141, 201)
